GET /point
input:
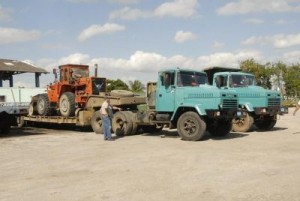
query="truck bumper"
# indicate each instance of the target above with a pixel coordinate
(226, 113)
(271, 110)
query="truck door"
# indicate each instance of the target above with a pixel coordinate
(165, 95)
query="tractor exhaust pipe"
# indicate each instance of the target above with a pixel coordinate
(96, 70)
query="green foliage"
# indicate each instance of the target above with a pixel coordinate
(290, 74)
(136, 86)
(116, 85)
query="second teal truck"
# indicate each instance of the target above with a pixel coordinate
(261, 105)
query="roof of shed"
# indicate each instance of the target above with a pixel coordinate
(16, 67)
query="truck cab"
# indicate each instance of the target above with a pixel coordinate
(184, 98)
(261, 105)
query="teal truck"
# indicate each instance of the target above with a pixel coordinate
(181, 99)
(261, 105)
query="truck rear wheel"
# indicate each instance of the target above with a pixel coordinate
(43, 105)
(67, 104)
(191, 127)
(266, 124)
(96, 123)
(122, 123)
(220, 128)
(134, 124)
(242, 124)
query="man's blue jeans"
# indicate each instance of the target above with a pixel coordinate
(106, 127)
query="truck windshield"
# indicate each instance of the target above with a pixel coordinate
(187, 78)
(241, 80)
(79, 72)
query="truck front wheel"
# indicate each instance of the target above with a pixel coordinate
(191, 127)
(266, 124)
(242, 124)
(96, 123)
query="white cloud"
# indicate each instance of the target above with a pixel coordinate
(292, 57)
(277, 41)
(177, 8)
(125, 1)
(129, 14)
(12, 35)
(95, 30)
(217, 45)
(255, 6)
(184, 36)
(254, 21)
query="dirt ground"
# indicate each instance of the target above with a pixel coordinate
(63, 164)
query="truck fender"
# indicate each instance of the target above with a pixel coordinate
(197, 107)
(249, 107)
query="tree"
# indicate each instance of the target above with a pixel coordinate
(116, 85)
(136, 86)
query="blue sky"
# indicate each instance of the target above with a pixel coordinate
(133, 39)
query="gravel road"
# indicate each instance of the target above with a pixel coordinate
(66, 164)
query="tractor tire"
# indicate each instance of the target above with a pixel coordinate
(242, 124)
(43, 105)
(121, 93)
(96, 123)
(67, 104)
(220, 128)
(266, 124)
(122, 123)
(191, 127)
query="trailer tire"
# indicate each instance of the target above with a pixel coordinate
(96, 123)
(266, 124)
(220, 128)
(121, 93)
(43, 105)
(242, 124)
(122, 123)
(191, 127)
(67, 104)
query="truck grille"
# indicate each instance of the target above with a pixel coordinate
(273, 102)
(230, 103)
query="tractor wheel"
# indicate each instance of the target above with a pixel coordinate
(266, 124)
(122, 123)
(43, 105)
(242, 124)
(221, 128)
(96, 123)
(67, 104)
(191, 127)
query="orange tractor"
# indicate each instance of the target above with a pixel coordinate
(70, 92)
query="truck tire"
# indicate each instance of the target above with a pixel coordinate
(220, 128)
(191, 127)
(266, 124)
(242, 124)
(96, 123)
(43, 105)
(121, 93)
(122, 123)
(5, 123)
(134, 124)
(67, 104)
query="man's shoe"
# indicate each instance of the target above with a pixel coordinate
(110, 139)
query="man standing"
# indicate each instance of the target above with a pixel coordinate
(297, 107)
(107, 114)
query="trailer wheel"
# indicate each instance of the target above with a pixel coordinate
(242, 124)
(266, 124)
(96, 123)
(220, 128)
(134, 124)
(67, 104)
(43, 105)
(122, 123)
(191, 127)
